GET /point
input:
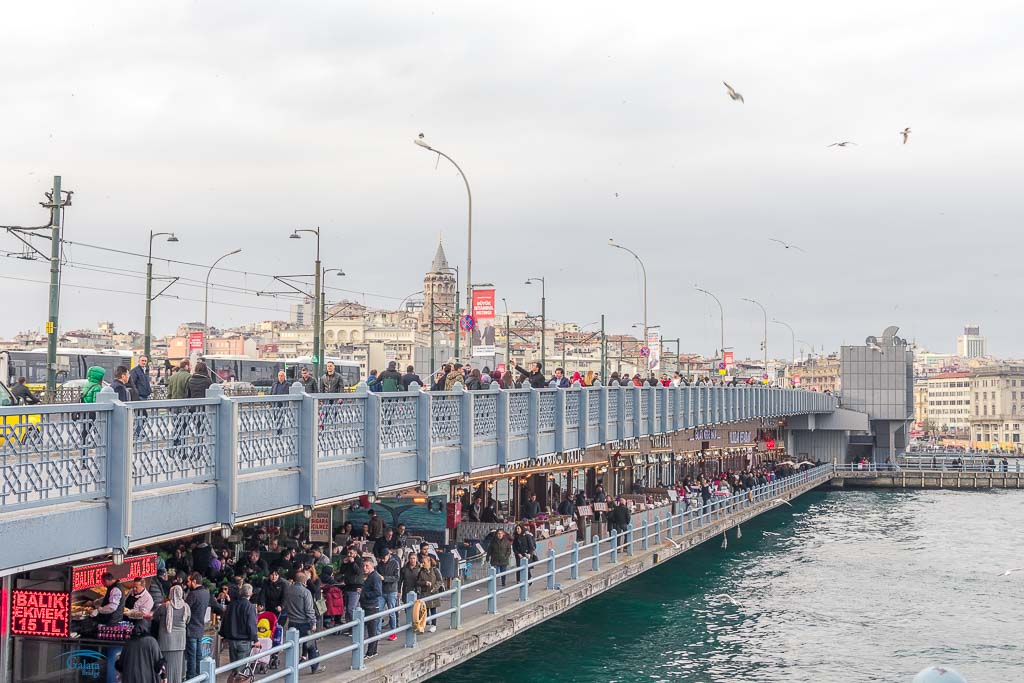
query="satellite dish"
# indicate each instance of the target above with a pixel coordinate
(871, 341)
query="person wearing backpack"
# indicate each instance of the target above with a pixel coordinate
(390, 379)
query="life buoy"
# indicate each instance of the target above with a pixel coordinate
(419, 617)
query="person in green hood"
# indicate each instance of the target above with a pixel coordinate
(95, 377)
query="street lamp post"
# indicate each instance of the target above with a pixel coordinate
(791, 332)
(206, 299)
(764, 341)
(721, 319)
(469, 230)
(543, 317)
(612, 243)
(149, 287)
(317, 313)
(508, 335)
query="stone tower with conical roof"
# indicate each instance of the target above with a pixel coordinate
(439, 289)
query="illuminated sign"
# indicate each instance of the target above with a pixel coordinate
(90, 575)
(741, 437)
(40, 613)
(704, 434)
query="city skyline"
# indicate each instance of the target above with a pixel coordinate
(626, 132)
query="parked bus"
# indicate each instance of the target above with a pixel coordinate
(262, 372)
(71, 364)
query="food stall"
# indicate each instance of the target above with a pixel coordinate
(55, 637)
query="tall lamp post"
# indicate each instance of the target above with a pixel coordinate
(508, 335)
(764, 341)
(721, 319)
(469, 229)
(318, 361)
(612, 243)
(149, 286)
(791, 333)
(206, 299)
(543, 317)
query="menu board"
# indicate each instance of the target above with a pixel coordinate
(584, 511)
(40, 613)
(600, 507)
(90, 575)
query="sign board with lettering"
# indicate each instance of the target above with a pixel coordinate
(600, 507)
(320, 526)
(742, 437)
(585, 511)
(195, 341)
(90, 575)
(40, 613)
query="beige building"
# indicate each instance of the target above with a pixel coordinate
(948, 402)
(817, 374)
(997, 394)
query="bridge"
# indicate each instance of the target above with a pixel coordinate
(475, 616)
(83, 480)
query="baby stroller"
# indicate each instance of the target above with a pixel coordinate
(249, 671)
(275, 658)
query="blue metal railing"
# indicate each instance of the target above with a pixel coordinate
(544, 573)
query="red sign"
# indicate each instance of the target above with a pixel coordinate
(483, 304)
(770, 444)
(454, 515)
(730, 359)
(466, 322)
(40, 613)
(195, 341)
(90, 575)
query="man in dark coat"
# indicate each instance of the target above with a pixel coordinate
(535, 375)
(139, 379)
(23, 393)
(410, 376)
(198, 601)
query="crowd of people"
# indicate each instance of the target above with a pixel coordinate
(279, 581)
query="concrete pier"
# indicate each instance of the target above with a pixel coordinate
(927, 479)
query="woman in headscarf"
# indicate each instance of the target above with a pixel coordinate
(140, 660)
(171, 619)
(576, 377)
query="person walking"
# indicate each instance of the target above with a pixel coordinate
(139, 378)
(524, 546)
(352, 581)
(499, 553)
(200, 381)
(369, 601)
(177, 385)
(298, 604)
(390, 574)
(24, 395)
(171, 619)
(408, 576)
(238, 627)
(535, 375)
(429, 582)
(330, 383)
(308, 382)
(618, 519)
(391, 380)
(281, 386)
(200, 607)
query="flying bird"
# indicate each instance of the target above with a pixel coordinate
(787, 245)
(906, 134)
(785, 502)
(769, 533)
(844, 143)
(732, 93)
(1010, 571)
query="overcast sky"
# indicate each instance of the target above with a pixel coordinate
(233, 123)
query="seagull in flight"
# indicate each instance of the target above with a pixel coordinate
(787, 245)
(1010, 571)
(769, 533)
(732, 93)
(785, 502)
(844, 143)
(906, 134)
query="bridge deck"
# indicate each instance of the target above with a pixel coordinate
(484, 624)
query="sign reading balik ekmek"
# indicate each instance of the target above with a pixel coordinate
(40, 613)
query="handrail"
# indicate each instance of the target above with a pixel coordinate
(665, 526)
